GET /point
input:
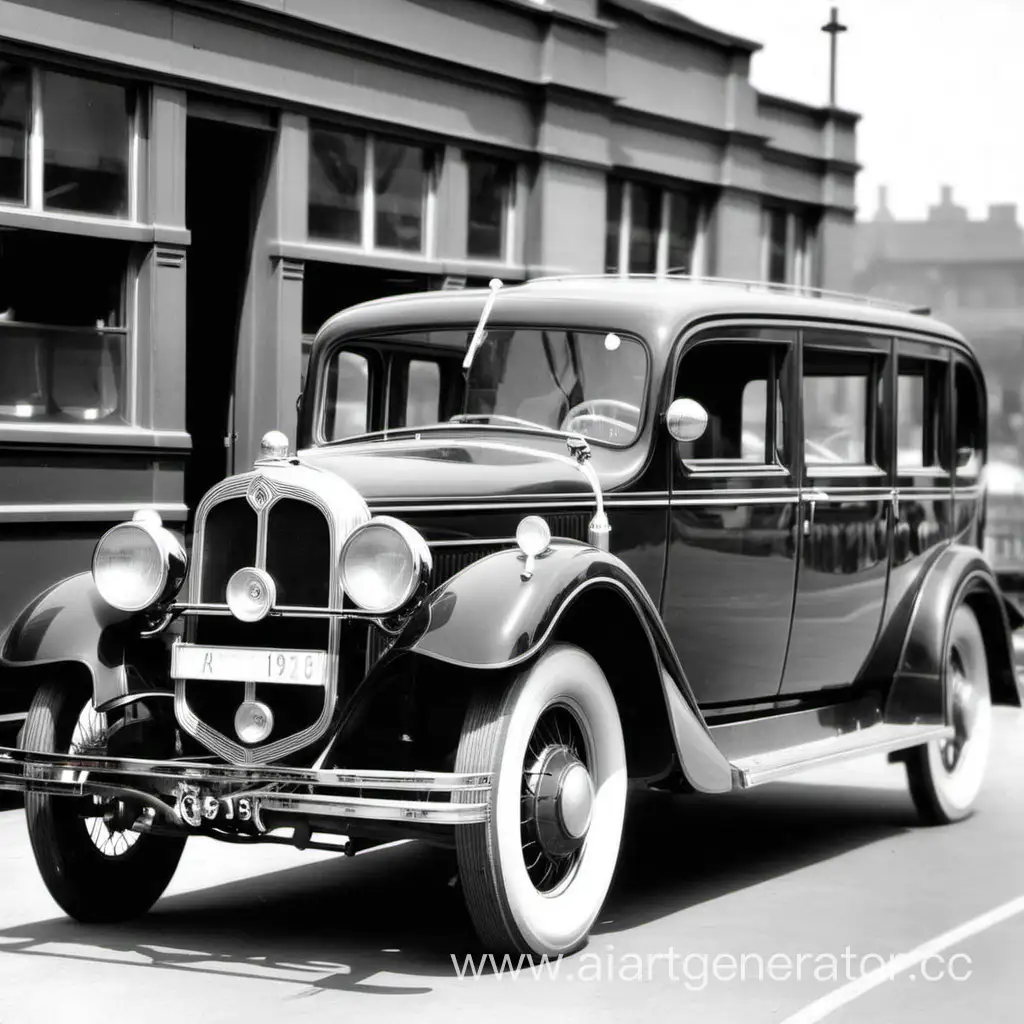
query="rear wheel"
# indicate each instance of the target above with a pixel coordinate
(946, 775)
(94, 869)
(535, 875)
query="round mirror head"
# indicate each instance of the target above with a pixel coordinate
(686, 419)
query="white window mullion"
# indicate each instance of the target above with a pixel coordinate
(790, 261)
(134, 167)
(661, 248)
(369, 219)
(35, 144)
(430, 204)
(625, 227)
(697, 260)
(509, 247)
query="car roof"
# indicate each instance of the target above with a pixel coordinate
(656, 308)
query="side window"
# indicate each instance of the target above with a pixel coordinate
(970, 423)
(346, 402)
(921, 429)
(840, 397)
(740, 385)
(423, 393)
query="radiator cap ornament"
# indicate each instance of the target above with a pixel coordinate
(273, 447)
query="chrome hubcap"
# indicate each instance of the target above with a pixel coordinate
(557, 799)
(965, 703)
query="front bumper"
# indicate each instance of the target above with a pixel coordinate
(440, 798)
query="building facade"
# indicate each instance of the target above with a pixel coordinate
(969, 273)
(189, 189)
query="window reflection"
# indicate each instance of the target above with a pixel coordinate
(14, 121)
(86, 134)
(490, 198)
(684, 212)
(61, 375)
(645, 224)
(336, 167)
(400, 189)
(346, 408)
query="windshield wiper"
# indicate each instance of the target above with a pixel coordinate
(478, 334)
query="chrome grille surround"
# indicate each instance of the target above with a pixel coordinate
(344, 509)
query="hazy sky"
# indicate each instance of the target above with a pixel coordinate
(939, 83)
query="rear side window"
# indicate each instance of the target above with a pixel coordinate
(921, 423)
(840, 397)
(970, 424)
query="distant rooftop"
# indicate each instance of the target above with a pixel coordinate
(948, 235)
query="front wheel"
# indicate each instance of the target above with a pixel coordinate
(536, 874)
(94, 869)
(946, 775)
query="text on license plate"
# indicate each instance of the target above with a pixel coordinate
(248, 665)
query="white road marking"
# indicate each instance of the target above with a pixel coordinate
(822, 1008)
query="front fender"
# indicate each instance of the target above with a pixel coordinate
(71, 623)
(959, 574)
(487, 617)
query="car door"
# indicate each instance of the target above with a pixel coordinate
(846, 497)
(731, 564)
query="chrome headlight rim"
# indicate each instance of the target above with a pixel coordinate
(419, 553)
(172, 557)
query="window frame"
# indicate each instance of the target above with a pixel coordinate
(35, 149)
(801, 261)
(665, 193)
(368, 204)
(508, 226)
(941, 356)
(744, 332)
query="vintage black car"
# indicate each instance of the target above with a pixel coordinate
(536, 544)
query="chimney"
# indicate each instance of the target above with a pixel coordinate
(1002, 213)
(883, 212)
(947, 211)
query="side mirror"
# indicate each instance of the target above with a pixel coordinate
(964, 456)
(686, 419)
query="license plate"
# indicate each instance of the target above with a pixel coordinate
(246, 665)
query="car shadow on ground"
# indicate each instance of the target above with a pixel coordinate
(382, 921)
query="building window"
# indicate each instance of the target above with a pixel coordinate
(337, 162)
(63, 360)
(653, 230)
(368, 191)
(66, 142)
(789, 238)
(491, 204)
(15, 110)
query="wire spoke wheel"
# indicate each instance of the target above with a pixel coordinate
(89, 736)
(536, 874)
(94, 865)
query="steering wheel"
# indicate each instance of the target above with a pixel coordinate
(601, 411)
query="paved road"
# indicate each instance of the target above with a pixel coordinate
(810, 868)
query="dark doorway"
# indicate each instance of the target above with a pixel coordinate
(226, 167)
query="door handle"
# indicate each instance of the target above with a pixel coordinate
(812, 498)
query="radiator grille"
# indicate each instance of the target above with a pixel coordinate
(299, 553)
(229, 543)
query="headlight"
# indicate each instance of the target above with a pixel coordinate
(383, 564)
(138, 564)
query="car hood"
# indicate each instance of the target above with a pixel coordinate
(408, 469)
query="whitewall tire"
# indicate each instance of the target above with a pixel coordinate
(535, 876)
(946, 776)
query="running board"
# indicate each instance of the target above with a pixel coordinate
(773, 765)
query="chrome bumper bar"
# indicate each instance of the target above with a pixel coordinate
(442, 798)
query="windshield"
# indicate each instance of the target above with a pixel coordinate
(585, 382)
